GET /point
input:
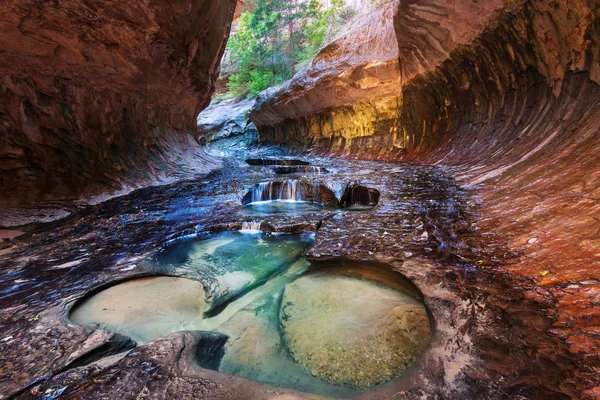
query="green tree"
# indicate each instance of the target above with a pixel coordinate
(273, 38)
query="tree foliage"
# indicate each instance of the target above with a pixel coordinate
(274, 37)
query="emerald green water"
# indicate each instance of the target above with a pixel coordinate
(329, 332)
(230, 264)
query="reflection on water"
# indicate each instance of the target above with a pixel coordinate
(266, 208)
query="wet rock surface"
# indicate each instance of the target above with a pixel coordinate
(493, 329)
(226, 125)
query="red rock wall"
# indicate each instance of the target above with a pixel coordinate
(514, 113)
(94, 94)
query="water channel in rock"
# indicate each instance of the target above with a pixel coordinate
(329, 329)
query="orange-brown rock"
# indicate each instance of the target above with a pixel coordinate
(351, 95)
(508, 98)
(95, 93)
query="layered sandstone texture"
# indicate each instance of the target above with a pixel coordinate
(100, 95)
(504, 94)
(350, 96)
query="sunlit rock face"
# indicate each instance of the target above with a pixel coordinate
(507, 95)
(337, 96)
(351, 96)
(95, 94)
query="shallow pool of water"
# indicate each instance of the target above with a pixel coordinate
(266, 208)
(326, 329)
(354, 327)
(230, 264)
(144, 309)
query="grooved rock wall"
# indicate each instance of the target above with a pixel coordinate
(94, 94)
(350, 96)
(509, 100)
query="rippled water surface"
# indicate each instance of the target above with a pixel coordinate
(266, 208)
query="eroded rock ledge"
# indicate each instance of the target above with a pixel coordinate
(96, 94)
(352, 93)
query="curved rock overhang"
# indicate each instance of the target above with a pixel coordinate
(507, 98)
(94, 94)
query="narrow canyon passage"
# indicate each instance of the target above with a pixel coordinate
(269, 199)
(424, 226)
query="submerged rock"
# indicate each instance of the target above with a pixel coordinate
(352, 332)
(144, 309)
(231, 264)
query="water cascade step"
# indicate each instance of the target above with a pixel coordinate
(269, 161)
(251, 227)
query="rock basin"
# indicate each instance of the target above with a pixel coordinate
(354, 327)
(288, 322)
(144, 309)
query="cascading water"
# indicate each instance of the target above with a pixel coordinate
(289, 190)
(289, 197)
(251, 227)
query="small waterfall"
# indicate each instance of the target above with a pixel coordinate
(251, 227)
(259, 191)
(268, 191)
(317, 190)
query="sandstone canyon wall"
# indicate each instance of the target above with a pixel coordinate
(506, 96)
(95, 95)
(351, 94)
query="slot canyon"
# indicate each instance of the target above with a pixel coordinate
(412, 213)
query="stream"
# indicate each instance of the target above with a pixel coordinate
(330, 280)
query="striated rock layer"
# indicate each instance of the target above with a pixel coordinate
(95, 94)
(352, 94)
(507, 96)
